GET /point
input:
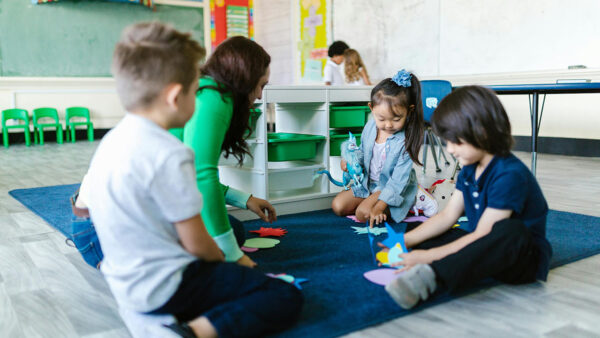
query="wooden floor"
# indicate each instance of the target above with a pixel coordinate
(46, 290)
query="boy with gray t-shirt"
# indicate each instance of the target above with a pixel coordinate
(158, 256)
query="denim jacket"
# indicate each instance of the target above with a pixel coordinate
(398, 180)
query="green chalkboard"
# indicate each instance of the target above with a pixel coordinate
(76, 38)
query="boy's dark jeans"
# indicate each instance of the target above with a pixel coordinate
(507, 254)
(238, 301)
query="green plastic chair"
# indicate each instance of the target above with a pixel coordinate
(38, 127)
(70, 125)
(15, 114)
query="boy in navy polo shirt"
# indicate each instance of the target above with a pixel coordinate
(506, 235)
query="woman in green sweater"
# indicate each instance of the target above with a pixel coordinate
(231, 80)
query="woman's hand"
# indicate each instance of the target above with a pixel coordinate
(246, 261)
(413, 258)
(259, 207)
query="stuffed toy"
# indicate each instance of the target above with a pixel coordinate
(441, 191)
(425, 203)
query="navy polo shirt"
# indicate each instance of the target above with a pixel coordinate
(507, 183)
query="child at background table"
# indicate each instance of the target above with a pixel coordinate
(354, 69)
(332, 74)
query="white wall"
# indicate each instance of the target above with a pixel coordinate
(449, 37)
(273, 30)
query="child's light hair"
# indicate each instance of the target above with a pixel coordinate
(149, 56)
(352, 64)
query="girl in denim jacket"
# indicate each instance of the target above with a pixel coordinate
(390, 142)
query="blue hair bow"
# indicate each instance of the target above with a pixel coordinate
(402, 78)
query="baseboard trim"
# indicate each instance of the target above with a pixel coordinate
(50, 136)
(560, 146)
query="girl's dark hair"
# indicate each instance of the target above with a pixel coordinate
(237, 65)
(390, 93)
(474, 115)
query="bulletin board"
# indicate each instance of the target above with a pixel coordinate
(230, 18)
(313, 39)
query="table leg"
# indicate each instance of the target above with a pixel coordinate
(534, 130)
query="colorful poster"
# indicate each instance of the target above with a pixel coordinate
(312, 47)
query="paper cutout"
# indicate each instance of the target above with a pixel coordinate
(415, 219)
(456, 225)
(382, 257)
(275, 232)
(371, 240)
(289, 279)
(381, 276)
(246, 249)
(394, 253)
(352, 217)
(261, 243)
(462, 219)
(395, 243)
(374, 230)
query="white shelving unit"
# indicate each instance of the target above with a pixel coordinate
(292, 186)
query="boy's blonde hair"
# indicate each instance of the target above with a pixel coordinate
(149, 56)
(352, 64)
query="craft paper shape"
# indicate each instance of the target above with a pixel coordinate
(395, 243)
(289, 279)
(352, 217)
(261, 243)
(245, 249)
(381, 276)
(275, 232)
(374, 230)
(415, 219)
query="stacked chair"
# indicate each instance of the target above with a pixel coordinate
(44, 118)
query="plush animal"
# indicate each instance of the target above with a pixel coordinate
(425, 202)
(441, 191)
(350, 153)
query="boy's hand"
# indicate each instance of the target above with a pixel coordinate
(259, 207)
(344, 165)
(246, 261)
(377, 214)
(413, 258)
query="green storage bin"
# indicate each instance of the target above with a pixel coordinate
(348, 116)
(254, 115)
(336, 137)
(292, 147)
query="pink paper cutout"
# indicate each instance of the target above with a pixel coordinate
(352, 217)
(415, 219)
(246, 249)
(381, 276)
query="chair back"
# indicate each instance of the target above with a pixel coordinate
(39, 113)
(15, 114)
(432, 92)
(77, 112)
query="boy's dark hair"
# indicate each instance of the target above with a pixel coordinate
(237, 65)
(337, 48)
(149, 56)
(394, 96)
(474, 115)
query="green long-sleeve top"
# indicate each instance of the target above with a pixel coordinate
(205, 133)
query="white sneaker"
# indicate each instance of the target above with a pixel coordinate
(426, 202)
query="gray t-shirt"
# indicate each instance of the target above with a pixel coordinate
(142, 181)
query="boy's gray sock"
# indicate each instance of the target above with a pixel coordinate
(413, 285)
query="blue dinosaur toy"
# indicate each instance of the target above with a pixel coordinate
(350, 153)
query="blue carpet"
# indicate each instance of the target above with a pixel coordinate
(323, 248)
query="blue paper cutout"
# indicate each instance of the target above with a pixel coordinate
(375, 230)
